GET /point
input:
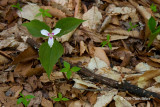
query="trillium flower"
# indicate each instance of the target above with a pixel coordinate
(50, 35)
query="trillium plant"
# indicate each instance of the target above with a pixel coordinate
(51, 51)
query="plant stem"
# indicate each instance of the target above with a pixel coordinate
(60, 65)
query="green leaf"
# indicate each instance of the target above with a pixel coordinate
(21, 95)
(25, 102)
(110, 45)
(69, 73)
(67, 25)
(48, 14)
(152, 24)
(17, 6)
(153, 8)
(103, 43)
(20, 100)
(108, 38)
(60, 95)
(75, 69)
(65, 99)
(41, 10)
(35, 27)
(64, 70)
(29, 96)
(49, 56)
(38, 14)
(57, 99)
(153, 36)
(66, 64)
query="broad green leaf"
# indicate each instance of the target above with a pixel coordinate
(57, 99)
(35, 27)
(41, 10)
(66, 64)
(65, 99)
(75, 69)
(29, 96)
(67, 25)
(152, 24)
(20, 100)
(49, 56)
(69, 73)
(60, 95)
(25, 102)
(38, 14)
(64, 70)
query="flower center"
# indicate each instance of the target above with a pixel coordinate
(50, 35)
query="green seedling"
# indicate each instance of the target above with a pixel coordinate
(107, 42)
(153, 8)
(132, 26)
(44, 13)
(155, 30)
(59, 98)
(17, 6)
(25, 99)
(69, 70)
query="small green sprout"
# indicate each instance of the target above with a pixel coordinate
(69, 70)
(17, 6)
(155, 30)
(107, 42)
(132, 26)
(25, 99)
(59, 98)
(44, 13)
(153, 8)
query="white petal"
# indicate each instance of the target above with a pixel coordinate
(44, 32)
(50, 41)
(56, 31)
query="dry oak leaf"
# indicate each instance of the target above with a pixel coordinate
(93, 17)
(46, 103)
(105, 98)
(96, 63)
(100, 53)
(54, 11)
(30, 11)
(121, 102)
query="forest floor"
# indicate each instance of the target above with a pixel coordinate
(122, 73)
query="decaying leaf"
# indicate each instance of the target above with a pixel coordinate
(46, 103)
(92, 17)
(143, 67)
(121, 102)
(30, 11)
(105, 98)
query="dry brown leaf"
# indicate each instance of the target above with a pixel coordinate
(61, 2)
(77, 13)
(100, 53)
(73, 60)
(156, 1)
(123, 70)
(30, 11)
(54, 11)
(3, 60)
(96, 63)
(93, 17)
(148, 75)
(105, 98)
(117, 37)
(143, 67)
(27, 55)
(68, 48)
(66, 37)
(3, 77)
(115, 20)
(15, 90)
(46, 103)
(155, 60)
(155, 88)
(37, 100)
(64, 88)
(134, 34)
(54, 75)
(121, 102)
(3, 2)
(79, 103)
(92, 97)
(106, 21)
(82, 47)
(109, 74)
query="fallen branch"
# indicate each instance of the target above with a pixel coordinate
(124, 86)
